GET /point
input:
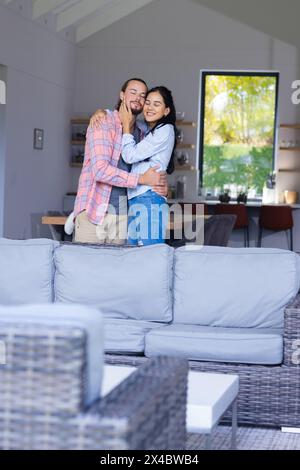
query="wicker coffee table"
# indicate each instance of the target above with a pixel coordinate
(209, 397)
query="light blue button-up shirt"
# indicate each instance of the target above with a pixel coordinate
(154, 149)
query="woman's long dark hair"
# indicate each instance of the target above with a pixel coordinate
(169, 119)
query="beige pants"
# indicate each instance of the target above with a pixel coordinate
(112, 230)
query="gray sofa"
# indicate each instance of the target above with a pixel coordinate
(225, 310)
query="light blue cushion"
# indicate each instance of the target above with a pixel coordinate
(84, 317)
(27, 271)
(126, 336)
(124, 282)
(28, 242)
(204, 343)
(230, 287)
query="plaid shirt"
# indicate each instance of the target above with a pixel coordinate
(99, 172)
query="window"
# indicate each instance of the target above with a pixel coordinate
(237, 138)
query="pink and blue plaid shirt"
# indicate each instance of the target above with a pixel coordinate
(99, 172)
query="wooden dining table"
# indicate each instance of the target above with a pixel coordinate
(174, 224)
(55, 221)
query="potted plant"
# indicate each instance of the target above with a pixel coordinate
(224, 196)
(242, 197)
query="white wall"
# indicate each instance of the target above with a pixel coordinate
(168, 42)
(40, 86)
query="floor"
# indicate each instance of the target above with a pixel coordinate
(248, 439)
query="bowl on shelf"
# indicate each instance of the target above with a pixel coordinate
(182, 158)
(179, 135)
(290, 197)
(180, 115)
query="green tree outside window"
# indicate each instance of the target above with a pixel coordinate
(239, 130)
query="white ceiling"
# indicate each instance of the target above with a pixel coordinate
(277, 18)
(85, 16)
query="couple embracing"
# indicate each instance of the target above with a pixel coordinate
(122, 188)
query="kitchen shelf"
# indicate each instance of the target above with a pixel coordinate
(186, 123)
(296, 149)
(180, 145)
(80, 120)
(185, 146)
(288, 170)
(290, 126)
(177, 167)
(184, 168)
(76, 165)
(80, 124)
(178, 123)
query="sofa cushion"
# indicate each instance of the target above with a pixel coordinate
(27, 271)
(230, 287)
(126, 336)
(124, 282)
(240, 345)
(78, 316)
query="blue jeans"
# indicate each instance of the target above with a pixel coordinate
(147, 219)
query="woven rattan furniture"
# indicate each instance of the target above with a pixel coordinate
(268, 395)
(42, 388)
(209, 396)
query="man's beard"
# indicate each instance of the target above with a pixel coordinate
(136, 112)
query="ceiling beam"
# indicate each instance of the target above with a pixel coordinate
(42, 7)
(77, 12)
(116, 10)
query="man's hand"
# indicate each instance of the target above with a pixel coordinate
(152, 178)
(97, 117)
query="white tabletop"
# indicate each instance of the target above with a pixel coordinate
(209, 395)
(113, 375)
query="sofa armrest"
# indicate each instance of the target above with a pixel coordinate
(291, 335)
(145, 411)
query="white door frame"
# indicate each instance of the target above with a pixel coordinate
(2, 143)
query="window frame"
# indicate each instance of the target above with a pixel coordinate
(200, 134)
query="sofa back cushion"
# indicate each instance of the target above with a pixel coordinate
(27, 271)
(231, 287)
(123, 282)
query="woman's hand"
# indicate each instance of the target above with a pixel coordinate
(127, 118)
(97, 117)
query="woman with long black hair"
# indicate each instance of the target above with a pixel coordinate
(148, 211)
